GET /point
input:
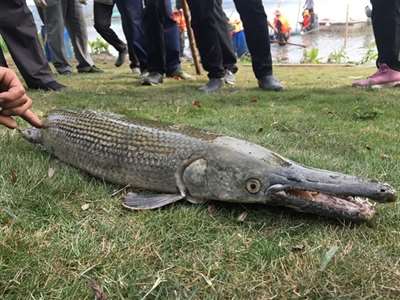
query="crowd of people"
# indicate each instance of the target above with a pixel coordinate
(154, 44)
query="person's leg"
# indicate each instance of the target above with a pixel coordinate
(24, 46)
(228, 54)
(254, 20)
(132, 20)
(102, 23)
(205, 30)
(128, 33)
(54, 21)
(154, 31)
(386, 25)
(76, 26)
(172, 43)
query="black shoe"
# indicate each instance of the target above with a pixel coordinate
(50, 86)
(153, 78)
(270, 83)
(213, 85)
(91, 69)
(65, 73)
(121, 58)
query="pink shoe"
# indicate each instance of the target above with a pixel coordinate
(384, 77)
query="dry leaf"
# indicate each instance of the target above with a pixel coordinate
(85, 206)
(242, 216)
(98, 291)
(13, 176)
(51, 172)
(385, 156)
(328, 257)
(196, 103)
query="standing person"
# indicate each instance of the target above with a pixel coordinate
(102, 11)
(281, 28)
(14, 101)
(19, 33)
(254, 19)
(163, 48)
(386, 25)
(58, 14)
(132, 23)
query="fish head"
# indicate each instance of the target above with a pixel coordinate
(32, 135)
(235, 177)
(228, 176)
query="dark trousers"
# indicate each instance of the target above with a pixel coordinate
(19, 33)
(162, 37)
(386, 24)
(228, 53)
(132, 23)
(254, 20)
(3, 62)
(102, 23)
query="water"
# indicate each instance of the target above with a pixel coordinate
(327, 42)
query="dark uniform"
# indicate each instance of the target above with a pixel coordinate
(19, 33)
(386, 24)
(205, 27)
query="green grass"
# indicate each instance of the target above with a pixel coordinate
(51, 248)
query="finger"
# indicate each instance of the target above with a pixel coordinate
(14, 88)
(8, 121)
(32, 118)
(17, 111)
(14, 104)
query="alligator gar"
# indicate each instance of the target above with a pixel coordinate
(175, 163)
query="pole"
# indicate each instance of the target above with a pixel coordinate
(192, 40)
(346, 33)
(288, 43)
(298, 16)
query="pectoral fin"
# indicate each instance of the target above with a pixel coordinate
(135, 201)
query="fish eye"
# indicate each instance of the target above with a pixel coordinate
(253, 186)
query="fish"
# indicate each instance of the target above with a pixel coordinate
(172, 163)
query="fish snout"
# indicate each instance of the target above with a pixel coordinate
(384, 193)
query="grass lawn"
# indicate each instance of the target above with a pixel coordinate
(62, 232)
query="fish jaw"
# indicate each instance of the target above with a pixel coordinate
(327, 193)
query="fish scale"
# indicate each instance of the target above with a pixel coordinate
(117, 150)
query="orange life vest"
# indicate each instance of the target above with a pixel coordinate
(282, 24)
(179, 18)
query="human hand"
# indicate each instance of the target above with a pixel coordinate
(14, 101)
(41, 3)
